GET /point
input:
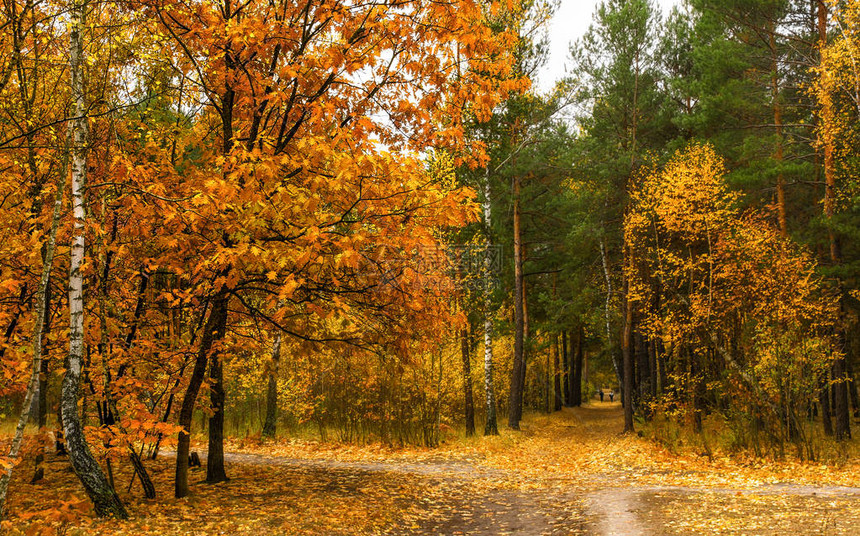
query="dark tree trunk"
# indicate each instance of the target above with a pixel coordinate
(627, 354)
(215, 457)
(577, 368)
(565, 365)
(637, 372)
(13, 322)
(526, 338)
(652, 359)
(270, 426)
(569, 369)
(38, 413)
(698, 387)
(662, 364)
(586, 393)
(840, 394)
(655, 351)
(41, 401)
(777, 123)
(547, 386)
(557, 370)
(515, 400)
(469, 402)
(213, 332)
(153, 454)
(651, 394)
(643, 365)
(824, 400)
(59, 439)
(852, 389)
(827, 138)
(140, 470)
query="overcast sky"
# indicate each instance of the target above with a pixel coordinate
(570, 22)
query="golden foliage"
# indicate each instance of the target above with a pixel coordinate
(721, 287)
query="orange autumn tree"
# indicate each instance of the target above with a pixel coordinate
(34, 164)
(264, 168)
(255, 168)
(31, 158)
(744, 322)
(389, 378)
(306, 196)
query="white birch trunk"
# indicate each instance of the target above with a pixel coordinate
(90, 474)
(606, 309)
(491, 427)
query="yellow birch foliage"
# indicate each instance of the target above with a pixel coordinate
(721, 287)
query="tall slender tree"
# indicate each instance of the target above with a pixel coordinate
(98, 488)
(270, 426)
(624, 118)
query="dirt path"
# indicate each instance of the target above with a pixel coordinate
(438, 469)
(613, 513)
(570, 473)
(628, 502)
(599, 491)
(464, 498)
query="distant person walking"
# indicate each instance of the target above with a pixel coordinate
(600, 392)
(611, 396)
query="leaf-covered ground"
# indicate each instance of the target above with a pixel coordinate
(571, 473)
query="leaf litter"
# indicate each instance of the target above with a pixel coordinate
(569, 473)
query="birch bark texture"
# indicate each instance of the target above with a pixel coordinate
(96, 485)
(491, 426)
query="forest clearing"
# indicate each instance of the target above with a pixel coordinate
(399, 267)
(570, 473)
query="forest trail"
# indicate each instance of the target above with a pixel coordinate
(606, 484)
(569, 473)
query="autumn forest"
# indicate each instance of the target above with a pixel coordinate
(343, 267)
